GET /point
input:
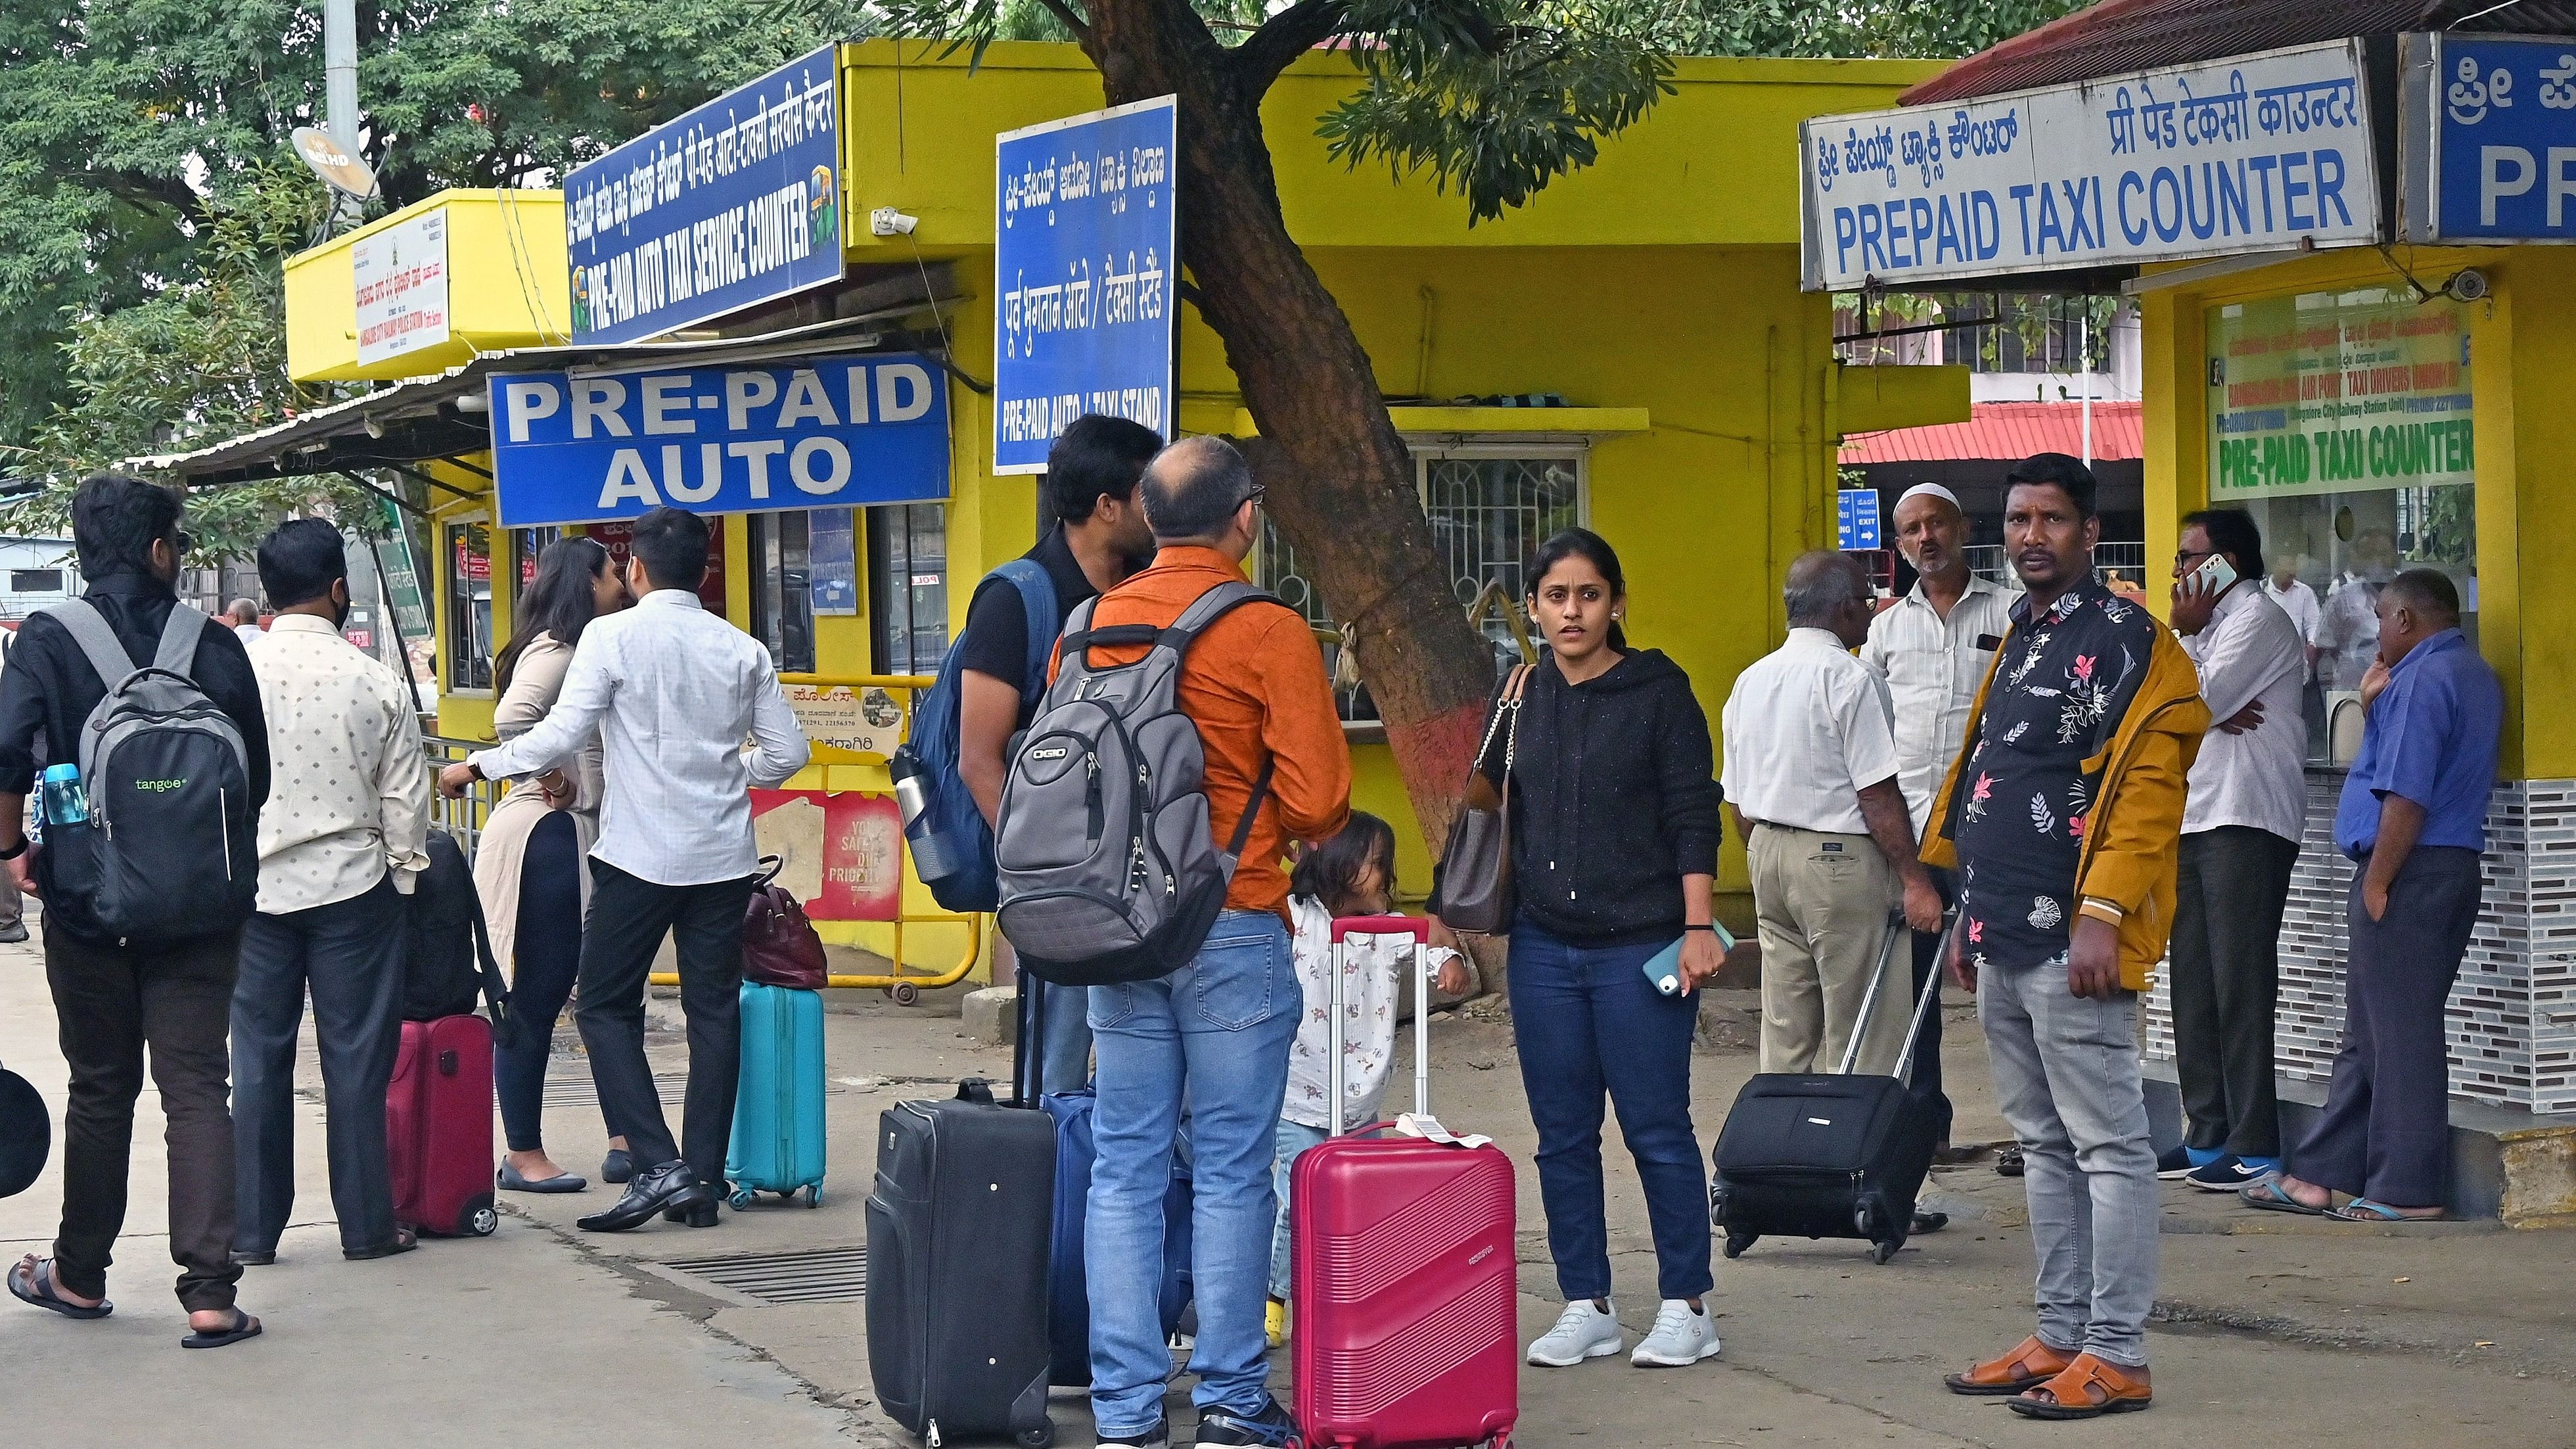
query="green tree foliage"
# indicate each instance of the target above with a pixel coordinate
(1876, 29)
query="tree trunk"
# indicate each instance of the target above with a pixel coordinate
(1344, 491)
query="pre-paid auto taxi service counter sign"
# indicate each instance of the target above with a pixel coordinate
(830, 433)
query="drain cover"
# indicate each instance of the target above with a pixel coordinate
(831, 1275)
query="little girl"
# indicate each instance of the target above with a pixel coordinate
(1352, 874)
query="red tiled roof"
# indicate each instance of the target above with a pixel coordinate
(2005, 432)
(2117, 37)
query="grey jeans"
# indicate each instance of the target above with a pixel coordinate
(2066, 1071)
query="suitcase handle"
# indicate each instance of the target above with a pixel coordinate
(1419, 929)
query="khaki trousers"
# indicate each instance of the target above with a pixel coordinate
(1823, 901)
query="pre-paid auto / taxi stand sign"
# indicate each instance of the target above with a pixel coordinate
(2486, 144)
(824, 432)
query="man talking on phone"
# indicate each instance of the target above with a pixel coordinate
(2240, 841)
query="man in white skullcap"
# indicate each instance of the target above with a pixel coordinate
(1935, 646)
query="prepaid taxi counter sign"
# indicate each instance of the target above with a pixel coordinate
(831, 433)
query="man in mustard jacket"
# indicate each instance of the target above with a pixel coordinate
(2063, 817)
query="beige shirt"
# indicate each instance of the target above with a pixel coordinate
(1807, 728)
(348, 794)
(1933, 668)
(500, 856)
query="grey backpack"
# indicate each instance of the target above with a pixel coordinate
(171, 848)
(1108, 872)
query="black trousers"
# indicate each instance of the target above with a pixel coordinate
(2386, 1129)
(547, 948)
(349, 956)
(1924, 1080)
(628, 916)
(2229, 894)
(110, 1002)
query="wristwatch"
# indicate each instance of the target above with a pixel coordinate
(19, 849)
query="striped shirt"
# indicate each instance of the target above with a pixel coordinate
(1934, 667)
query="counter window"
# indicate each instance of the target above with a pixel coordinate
(782, 610)
(525, 545)
(468, 571)
(908, 585)
(2341, 421)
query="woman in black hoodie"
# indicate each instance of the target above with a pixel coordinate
(1614, 851)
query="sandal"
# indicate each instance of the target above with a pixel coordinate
(2369, 1210)
(404, 1240)
(2072, 1394)
(2034, 1361)
(2268, 1196)
(244, 1326)
(32, 1281)
(2008, 1162)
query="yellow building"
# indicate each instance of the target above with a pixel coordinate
(1654, 296)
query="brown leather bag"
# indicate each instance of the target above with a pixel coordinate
(1476, 868)
(779, 945)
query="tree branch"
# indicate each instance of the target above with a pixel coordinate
(1282, 38)
(1072, 19)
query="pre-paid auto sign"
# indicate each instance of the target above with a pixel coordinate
(2487, 138)
(1084, 263)
(2253, 153)
(832, 433)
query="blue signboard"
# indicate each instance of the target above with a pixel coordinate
(734, 203)
(1857, 510)
(2489, 138)
(832, 433)
(1085, 267)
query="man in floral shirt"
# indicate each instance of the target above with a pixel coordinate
(2063, 816)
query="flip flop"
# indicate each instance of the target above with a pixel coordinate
(244, 1326)
(37, 1287)
(2268, 1196)
(403, 1241)
(2367, 1210)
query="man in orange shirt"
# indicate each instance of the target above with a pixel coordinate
(1217, 1030)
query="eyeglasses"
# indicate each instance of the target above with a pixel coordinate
(2183, 557)
(187, 543)
(1259, 490)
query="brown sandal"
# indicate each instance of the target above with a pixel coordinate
(2073, 1394)
(2031, 1363)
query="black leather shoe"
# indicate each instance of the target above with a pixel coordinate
(669, 1186)
(697, 1215)
(616, 1167)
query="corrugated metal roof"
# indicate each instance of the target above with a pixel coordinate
(2007, 432)
(2118, 37)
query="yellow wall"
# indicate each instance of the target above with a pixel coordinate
(506, 287)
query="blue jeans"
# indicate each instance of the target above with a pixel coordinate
(1216, 1031)
(1590, 1024)
(1294, 1138)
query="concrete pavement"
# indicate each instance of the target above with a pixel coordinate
(2273, 1327)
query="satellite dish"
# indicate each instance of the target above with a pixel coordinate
(338, 169)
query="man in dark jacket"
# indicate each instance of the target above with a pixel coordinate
(110, 999)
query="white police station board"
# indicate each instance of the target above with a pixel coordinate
(2252, 153)
(1085, 266)
(2487, 138)
(831, 433)
(733, 203)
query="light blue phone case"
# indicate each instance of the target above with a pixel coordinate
(1664, 968)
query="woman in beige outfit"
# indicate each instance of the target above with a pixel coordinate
(530, 868)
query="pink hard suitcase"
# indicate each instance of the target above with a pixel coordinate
(438, 1127)
(1401, 1270)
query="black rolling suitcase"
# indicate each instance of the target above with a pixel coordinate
(957, 1265)
(1838, 1156)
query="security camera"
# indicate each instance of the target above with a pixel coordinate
(886, 221)
(2466, 285)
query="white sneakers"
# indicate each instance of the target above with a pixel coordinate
(1582, 1331)
(1682, 1336)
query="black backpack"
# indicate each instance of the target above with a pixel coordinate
(448, 967)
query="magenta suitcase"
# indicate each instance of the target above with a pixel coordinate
(1401, 1271)
(438, 1127)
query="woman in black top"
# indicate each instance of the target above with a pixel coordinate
(1614, 850)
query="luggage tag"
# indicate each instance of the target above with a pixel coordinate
(1428, 1128)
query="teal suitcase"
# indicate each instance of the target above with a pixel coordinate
(778, 1115)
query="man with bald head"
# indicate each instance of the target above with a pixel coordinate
(1811, 771)
(1933, 647)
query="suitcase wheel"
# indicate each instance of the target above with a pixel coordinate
(479, 1219)
(1862, 1217)
(814, 1199)
(740, 1198)
(1039, 1437)
(1736, 1243)
(1881, 1252)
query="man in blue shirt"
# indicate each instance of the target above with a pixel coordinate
(2413, 817)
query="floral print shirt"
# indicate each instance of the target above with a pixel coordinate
(2066, 678)
(1373, 972)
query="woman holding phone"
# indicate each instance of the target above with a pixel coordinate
(1614, 819)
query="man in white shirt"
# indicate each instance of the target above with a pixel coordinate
(244, 614)
(2242, 818)
(2297, 600)
(673, 692)
(341, 838)
(1810, 770)
(1934, 647)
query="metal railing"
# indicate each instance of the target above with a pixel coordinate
(462, 817)
(2117, 565)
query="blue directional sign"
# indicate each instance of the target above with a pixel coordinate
(1857, 513)
(2488, 138)
(835, 432)
(734, 203)
(1086, 262)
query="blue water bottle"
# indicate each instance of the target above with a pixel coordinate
(66, 802)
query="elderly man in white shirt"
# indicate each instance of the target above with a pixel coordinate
(1934, 647)
(2242, 819)
(673, 692)
(341, 838)
(1810, 769)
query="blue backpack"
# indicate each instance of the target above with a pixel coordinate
(952, 847)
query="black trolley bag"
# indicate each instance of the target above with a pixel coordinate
(1818, 1156)
(958, 1235)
